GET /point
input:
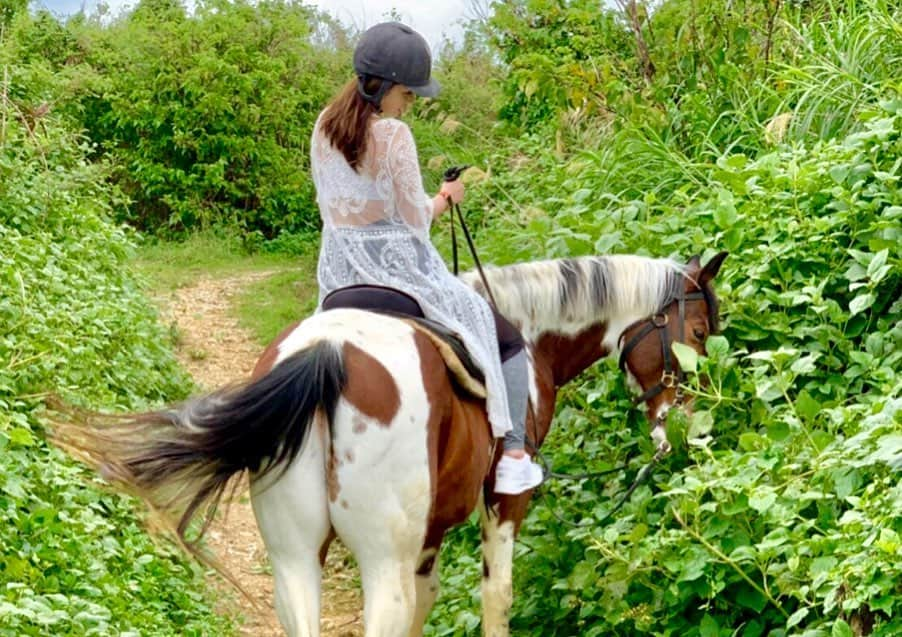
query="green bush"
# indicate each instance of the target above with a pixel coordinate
(207, 116)
(75, 559)
(779, 512)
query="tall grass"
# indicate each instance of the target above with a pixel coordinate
(845, 62)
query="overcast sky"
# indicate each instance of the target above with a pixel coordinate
(433, 18)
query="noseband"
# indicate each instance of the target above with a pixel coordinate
(672, 375)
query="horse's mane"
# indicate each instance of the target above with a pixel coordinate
(573, 293)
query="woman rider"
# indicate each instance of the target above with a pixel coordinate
(376, 219)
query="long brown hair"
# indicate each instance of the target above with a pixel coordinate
(347, 120)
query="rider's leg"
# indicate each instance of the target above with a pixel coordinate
(516, 381)
(516, 472)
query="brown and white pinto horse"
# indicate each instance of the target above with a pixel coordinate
(351, 427)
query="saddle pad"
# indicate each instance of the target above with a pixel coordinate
(464, 370)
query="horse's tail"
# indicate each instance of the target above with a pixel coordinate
(181, 459)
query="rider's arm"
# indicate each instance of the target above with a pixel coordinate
(411, 201)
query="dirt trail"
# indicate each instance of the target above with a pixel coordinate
(217, 351)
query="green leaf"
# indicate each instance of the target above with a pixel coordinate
(877, 262)
(797, 616)
(861, 303)
(717, 345)
(733, 238)
(841, 629)
(807, 406)
(21, 437)
(805, 364)
(778, 431)
(750, 441)
(751, 598)
(708, 627)
(700, 424)
(687, 357)
(725, 215)
(889, 450)
(676, 428)
(762, 499)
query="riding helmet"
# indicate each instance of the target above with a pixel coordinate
(396, 54)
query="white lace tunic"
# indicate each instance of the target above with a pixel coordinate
(376, 231)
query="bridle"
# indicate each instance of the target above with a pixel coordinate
(671, 378)
(672, 375)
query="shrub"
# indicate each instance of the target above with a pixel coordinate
(75, 559)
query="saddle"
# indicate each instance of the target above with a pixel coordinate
(465, 373)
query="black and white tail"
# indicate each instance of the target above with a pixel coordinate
(181, 459)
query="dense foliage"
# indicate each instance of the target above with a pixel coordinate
(205, 116)
(769, 129)
(75, 559)
(780, 512)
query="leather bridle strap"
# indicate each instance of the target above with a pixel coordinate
(672, 375)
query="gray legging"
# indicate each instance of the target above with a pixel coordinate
(516, 379)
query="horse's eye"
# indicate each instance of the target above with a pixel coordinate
(699, 333)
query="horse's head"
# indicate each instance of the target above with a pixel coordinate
(688, 317)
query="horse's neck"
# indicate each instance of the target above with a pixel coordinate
(574, 310)
(566, 355)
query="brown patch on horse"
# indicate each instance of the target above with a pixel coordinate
(370, 388)
(271, 353)
(332, 486)
(570, 355)
(458, 440)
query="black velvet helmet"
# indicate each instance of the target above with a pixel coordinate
(396, 54)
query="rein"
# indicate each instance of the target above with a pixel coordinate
(452, 174)
(641, 477)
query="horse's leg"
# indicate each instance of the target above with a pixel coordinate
(499, 529)
(385, 533)
(293, 518)
(379, 497)
(379, 501)
(497, 573)
(427, 585)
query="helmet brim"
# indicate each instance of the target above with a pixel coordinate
(427, 90)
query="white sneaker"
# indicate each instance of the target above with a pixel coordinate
(516, 475)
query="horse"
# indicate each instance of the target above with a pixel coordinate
(351, 426)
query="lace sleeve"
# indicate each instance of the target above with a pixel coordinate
(412, 203)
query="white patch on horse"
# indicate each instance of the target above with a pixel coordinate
(659, 432)
(533, 384)
(497, 586)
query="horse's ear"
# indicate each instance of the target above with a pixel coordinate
(712, 267)
(694, 264)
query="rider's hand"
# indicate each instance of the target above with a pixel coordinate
(454, 189)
